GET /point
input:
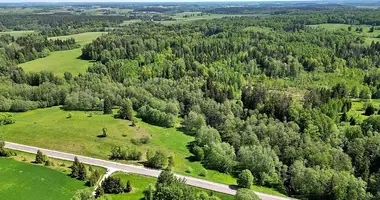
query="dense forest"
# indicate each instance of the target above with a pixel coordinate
(57, 24)
(235, 85)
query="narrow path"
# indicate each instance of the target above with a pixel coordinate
(222, 188)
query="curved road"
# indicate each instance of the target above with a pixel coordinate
(135, 169)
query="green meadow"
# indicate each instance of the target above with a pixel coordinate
(17, 33)
(19, 180)
(60, 62)
(50, 128)
(139, 183)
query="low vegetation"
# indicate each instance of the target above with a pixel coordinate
(22, 180)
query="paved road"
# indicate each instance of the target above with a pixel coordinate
(135, 169)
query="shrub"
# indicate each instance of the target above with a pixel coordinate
(158, 160)
(112, 185)
(198, 153)
(203, 173)
(6, 118)
(245, 179)
(369, 110)
(125, 153)
(189, 170)
(246, 194)
(138, 141)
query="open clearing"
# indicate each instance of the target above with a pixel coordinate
(17, 33)
(369, 36)
(27, 181)
(60, 62)
(81, 38)
(139, 183)
(49, 128)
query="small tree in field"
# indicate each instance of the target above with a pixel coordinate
(40, 158)
(126, 109)
(128, 187)
(105, 131)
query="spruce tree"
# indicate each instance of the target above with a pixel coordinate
(40, 157)
(75, 168)
(82, 172)
(128, 187)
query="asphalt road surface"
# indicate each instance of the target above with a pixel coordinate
(135, 169)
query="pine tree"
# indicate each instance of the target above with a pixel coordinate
(75, 168)
(128, 187)
(40, 157)
(82, 172)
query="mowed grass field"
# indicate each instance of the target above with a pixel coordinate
(60, 62)
(49, 128)
(20, 180)
(139, 183)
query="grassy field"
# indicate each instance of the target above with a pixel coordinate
(17, 33)
(139, 183)
(60, 62)
(191, 16)
(49, 128)
(21, 180)
(81, 38)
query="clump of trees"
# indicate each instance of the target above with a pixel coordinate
(78, 170)
(42, 158)
(5, 152)
(156, 159)
(170, 187)
(125, 153)
(113, 185)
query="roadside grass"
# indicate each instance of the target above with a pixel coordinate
(20, 180)
(62, 166)
(17, 33)
(49, 128)
(60, 62)
(139, 183)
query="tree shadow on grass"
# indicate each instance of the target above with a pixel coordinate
(184, 131)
